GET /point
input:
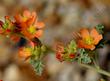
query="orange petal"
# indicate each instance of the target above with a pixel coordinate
(18, 18)
(32, 19)
(39, 33)
(97, 37)
(97, 40)
(27, 34)
(84, 33)
(39, 24)
(81, 44)
(24, 53)
(94, 33)
(26, 13)
(33, 15)
(7, 17)
(23, 25)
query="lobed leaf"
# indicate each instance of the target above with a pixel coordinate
(100, 28)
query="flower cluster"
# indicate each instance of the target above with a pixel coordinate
(66, 53)
(26, 26)
(7, 28)
(34, 56)
(81, 49)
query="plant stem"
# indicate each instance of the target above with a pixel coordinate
(103, 72)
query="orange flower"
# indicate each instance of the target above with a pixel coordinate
(24, 53)
(72, 56)
(59, 52)
(27, 18)
(28, 22)
(89, 39)
(59, 56)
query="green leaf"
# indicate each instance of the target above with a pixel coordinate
(36, 58)
(6, 24)
(86, 59)
(100, 28)
(43, 48)
(83, 58)
(82, 52)
(37, 65)
(72, 47)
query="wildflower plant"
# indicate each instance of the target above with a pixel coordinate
(82, 49)
(27, 26)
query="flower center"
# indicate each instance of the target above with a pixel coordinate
(25, 19)
(88, 40)
(32, 29)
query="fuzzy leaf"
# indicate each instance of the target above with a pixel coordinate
(6, 24)
(100, 28)
(72, 47)
(37, 65)
(84, 58)
(82, 52)
(36, 52)
(43, 48)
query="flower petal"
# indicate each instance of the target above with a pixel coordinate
(32, 19)
(34, 16)
(39, 33)
(18, 18)
(84, 33)
(97, 37)
(81, 44)
(24, 52)
(39, 24)
(97, 40)
(26, 13)
(27, 34)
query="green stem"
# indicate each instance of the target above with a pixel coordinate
(103, 72)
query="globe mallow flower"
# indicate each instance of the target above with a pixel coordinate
(24, 52)
(66, 53)
(7, 26)
(89, 39)
(28, 22)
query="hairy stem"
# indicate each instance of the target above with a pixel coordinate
(103, 72)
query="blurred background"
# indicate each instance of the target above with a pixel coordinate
(61, 17)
